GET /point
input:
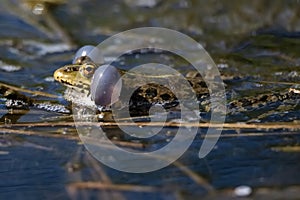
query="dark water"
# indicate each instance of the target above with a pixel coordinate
(258, 41)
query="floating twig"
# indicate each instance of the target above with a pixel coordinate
(119, 187)
(258, 126)
(18, 89)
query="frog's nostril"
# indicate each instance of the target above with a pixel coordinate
(57, 75)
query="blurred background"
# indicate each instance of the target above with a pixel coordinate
(258, 39)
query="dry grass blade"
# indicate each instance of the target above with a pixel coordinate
(39, 93)
(258, 126)
(255, 134)
(70, 137)
(289, 130)
(104, 144)
(35, 133)
(99, 171)
(119, 187)
(195, 177)
(286, 148)
(277, 82)
(58, 29)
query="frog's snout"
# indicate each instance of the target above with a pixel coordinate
(57, 75)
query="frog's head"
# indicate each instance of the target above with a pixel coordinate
(86, 78)
(76, 76)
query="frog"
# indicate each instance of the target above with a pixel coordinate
(77, 77)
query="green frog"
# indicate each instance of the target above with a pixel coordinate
(78, 77)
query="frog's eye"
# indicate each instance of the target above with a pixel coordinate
(87, 70)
